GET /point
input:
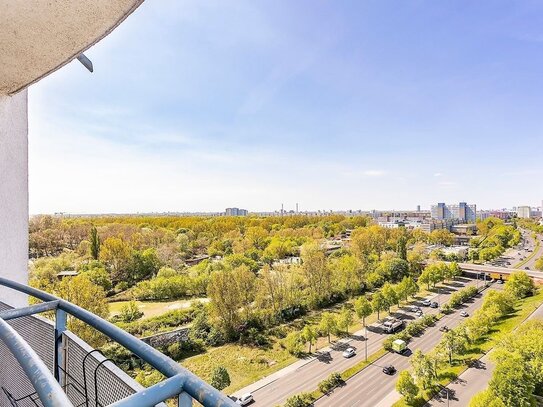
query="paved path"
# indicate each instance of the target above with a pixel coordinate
(305, 375)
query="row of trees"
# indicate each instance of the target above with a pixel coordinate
(338, 324)
(518, 374)
(494, 237)
(455, 342)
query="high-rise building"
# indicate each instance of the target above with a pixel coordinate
(524, 211)
(236, 212)
(461, 211)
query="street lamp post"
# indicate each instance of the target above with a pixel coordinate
(366, 342)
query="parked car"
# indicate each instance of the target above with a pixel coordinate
(389, 370)
(434, 305)
(245, 399)
(419, 312)
(464, 314)
(526, 268)
(426, 303)
(349, 353)
(444, 328)
(500, 281)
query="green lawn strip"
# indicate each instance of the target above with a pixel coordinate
(530, 257)
(479, 349)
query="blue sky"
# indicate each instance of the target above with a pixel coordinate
(200, 105)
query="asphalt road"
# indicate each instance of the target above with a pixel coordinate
(307, 377)
(517, 254)
(472, 381)
(371, 386)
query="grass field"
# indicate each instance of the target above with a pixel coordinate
(245, 364)
(152, 309)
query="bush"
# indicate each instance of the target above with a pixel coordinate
(331, 382)
(300, 400)
(170, 319)
(429, 320)
(130, 312)
(294, 344)
(414, 328)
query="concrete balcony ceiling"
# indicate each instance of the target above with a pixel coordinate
(39, 36)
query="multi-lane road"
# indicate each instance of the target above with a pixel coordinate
(371, 386)
(306, 376)
(526, 248)
(472, 381)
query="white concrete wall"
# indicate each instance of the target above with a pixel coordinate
(14, 194)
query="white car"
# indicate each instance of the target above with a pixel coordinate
(245, 399)
(349, 352)
(426, 303)
(464, 314)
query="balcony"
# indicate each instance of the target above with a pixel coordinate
(44, 364)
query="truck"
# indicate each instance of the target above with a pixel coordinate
(392, 326)
(399, 346)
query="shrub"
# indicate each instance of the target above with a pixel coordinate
(415, 328)
(329, 383)
(170, 319)
(429, 320)
(300, 400)
(130, 312)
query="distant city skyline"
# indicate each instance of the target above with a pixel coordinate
(360, 105)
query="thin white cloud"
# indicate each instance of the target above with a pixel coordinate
(438, 174)
(374, 173)
(447, 184)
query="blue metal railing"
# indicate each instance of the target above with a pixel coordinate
(179, 382)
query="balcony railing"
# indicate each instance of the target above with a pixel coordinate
(43, 364)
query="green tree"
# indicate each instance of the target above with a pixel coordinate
(94, 243)
(424, 369)
(145, 264)
(389, 294)
(378, 303)
(345, 319)
(452, 343)
(220, 379)
(520, 285)
(406, 386)
(309, 336)
(294, 343)
(81, 291)
(116, 255)
(401, 247)
(327, 324)
(316, 273)
(486, 398)
(363, 309)
(511, 383)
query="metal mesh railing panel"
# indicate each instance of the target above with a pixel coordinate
(100, 383)
(40, 335)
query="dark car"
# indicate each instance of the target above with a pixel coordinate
(444, 328)
(389, 370)
(434, 305)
